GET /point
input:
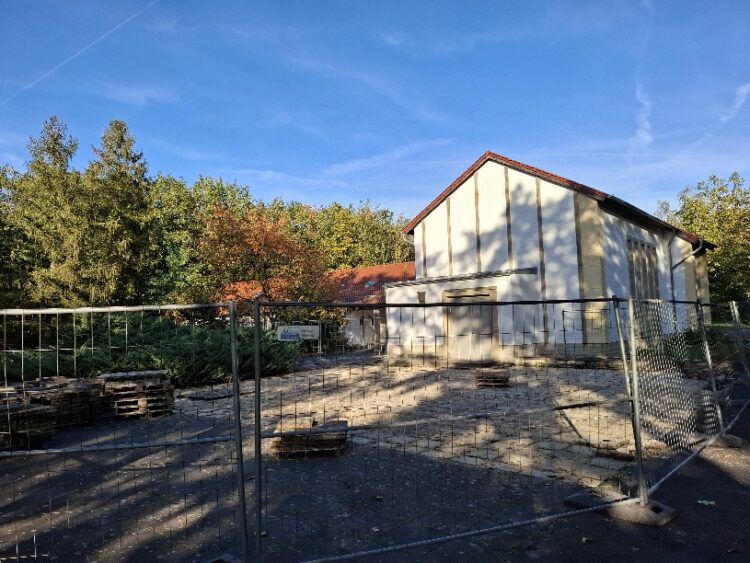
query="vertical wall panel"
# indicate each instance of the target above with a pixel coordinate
(560, 254)
(436, 241)
(493, 233)
(528, 322)
(463, 229)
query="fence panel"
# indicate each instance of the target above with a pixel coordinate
(480, 414)
(401, 426)
(120, 466)
(688, 366)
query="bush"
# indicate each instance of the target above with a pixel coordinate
(192, 354)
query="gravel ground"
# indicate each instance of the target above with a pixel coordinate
(433, 455)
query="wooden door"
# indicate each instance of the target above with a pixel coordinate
(469, 328)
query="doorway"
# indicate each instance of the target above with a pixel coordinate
(469, 328)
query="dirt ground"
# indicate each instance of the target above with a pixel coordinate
(432, 455)
(712, 498)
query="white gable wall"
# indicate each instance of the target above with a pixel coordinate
(493, 227)
(418, 255)
(478, 207)
(560, 261)
(463, 229)
(528, 321)
(436, 242)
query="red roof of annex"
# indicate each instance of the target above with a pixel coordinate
(365, 284)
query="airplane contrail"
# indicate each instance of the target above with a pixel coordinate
(78, 53)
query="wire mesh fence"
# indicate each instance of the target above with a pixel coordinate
(100, 457)
(685, 361)
(400, 425)
(478, 414)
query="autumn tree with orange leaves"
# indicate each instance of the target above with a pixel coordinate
(258, 252)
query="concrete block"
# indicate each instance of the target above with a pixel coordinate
(653, 513)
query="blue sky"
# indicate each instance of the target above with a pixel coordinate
(389, 101)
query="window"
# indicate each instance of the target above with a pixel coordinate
(643, 267)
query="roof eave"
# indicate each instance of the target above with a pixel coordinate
(611, 202)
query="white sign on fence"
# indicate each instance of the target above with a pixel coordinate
(295, 333)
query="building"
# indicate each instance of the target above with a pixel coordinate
(507, 231)
(366, 327)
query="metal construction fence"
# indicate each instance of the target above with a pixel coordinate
(401, 428)
(101, 468)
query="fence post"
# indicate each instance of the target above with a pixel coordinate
(740, 341)
(636, 407)
(621, 338)
(245, 544)
(256, 430)
(709, 362)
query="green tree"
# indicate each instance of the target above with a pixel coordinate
(348, 236)
(719, 210)
(212, 192)
(44, 209)
(175, 229)
(112, 235)
(380, 240)
(116, 204)
(179, 272)
(14, 248)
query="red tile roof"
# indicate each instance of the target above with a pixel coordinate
(365, 284)
(607, 201)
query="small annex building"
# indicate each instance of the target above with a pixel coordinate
(366, 327)
(508, 231)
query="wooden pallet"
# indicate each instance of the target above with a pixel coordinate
(25, 426)
(134, 394)
(307, 441)
(142, 376)
(487, 378)
(77, 402)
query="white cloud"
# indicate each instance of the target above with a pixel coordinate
(394, 39)
(11, 158)
(387, 174)
(371, 81)
(307, 122)
(642, 136)
(740, 97)
(645, 177)
(278, 177)
(12, 143)
(135, 94)
(187, 152)
(381, 159)
(8, 139)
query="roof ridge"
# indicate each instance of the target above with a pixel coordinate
(614, 203)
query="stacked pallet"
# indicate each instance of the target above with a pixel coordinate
(328, 438)
(10, 394)
(488, 377)
(23, 425)
(76, 401)
(146, 393)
